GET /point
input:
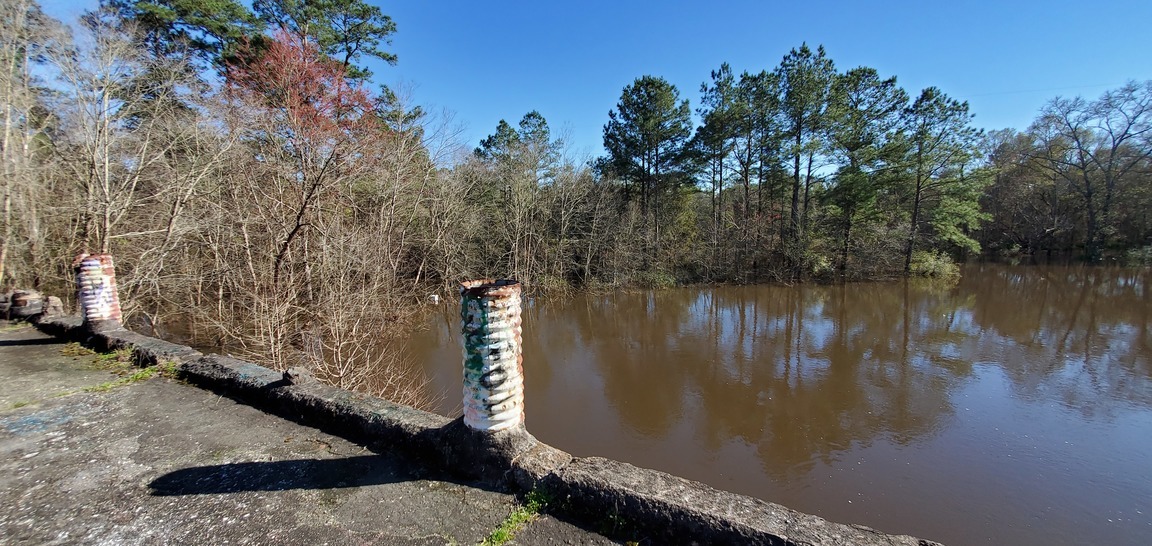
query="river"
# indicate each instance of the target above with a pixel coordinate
(1014, 407)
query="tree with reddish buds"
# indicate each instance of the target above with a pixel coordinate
(299, 106)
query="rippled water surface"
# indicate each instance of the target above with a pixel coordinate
(1012, 408)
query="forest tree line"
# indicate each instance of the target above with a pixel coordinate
(254, 183)
(802, 171)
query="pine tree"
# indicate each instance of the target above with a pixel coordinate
(864, 115)
(805, 83)
(646, 138)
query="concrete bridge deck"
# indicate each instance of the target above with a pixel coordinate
(157, 461)
(97, 458)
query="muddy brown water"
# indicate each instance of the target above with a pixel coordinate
(1012, 408)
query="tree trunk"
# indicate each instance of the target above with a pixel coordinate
(793, 243)
(913, 231)
(847, 244)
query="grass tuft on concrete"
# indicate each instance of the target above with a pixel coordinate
(76, 349)
(117, 358)
(140, 375)
(521, 515)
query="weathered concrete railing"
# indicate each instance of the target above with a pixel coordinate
(491, 445)
(25, 304)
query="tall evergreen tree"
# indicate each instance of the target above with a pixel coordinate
(805, 83)
(499, 145)
(646, 139)
(519, 165)
(713, 141)
(765, 135)
(530, 150)
(208, 30)
(864, 116)
(941, 185)
(345, 30)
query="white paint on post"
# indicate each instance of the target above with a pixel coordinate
(96, 284)
(493, 362)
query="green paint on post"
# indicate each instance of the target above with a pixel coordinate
(490, 333)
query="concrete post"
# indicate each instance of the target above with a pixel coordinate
(24, 304)
(493, 363)
(96, 290)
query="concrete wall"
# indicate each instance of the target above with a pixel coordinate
(665, 508)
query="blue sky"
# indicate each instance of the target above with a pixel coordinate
(495, 60)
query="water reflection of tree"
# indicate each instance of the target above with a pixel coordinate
(802, 373)
(1082, 337)
(633, 338)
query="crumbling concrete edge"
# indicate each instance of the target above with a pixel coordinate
(643, 502)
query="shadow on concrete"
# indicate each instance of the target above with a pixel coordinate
(356, 471)
(34, 341)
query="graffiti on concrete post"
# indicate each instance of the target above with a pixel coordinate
(493, 363)
(96, 284)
